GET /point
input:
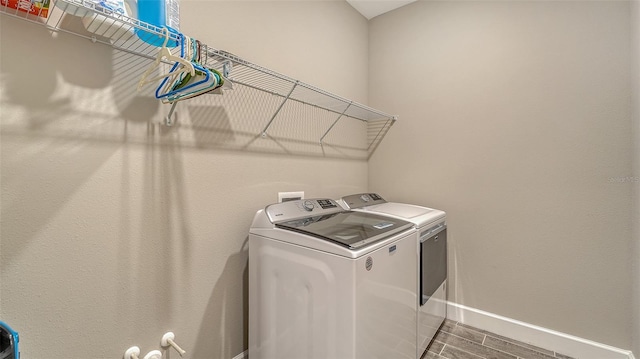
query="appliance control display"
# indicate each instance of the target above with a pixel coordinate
(326, 203)
(301, 208)
(375, 196)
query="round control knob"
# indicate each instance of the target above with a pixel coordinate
(308, 206)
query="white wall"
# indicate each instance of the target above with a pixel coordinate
(116, 229)
(514, 117)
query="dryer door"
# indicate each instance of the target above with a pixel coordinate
(433, 263)
(433, 280)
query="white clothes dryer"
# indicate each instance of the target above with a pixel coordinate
(329, 283)
(431, 242)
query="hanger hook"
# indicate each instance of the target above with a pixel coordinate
(165, 30)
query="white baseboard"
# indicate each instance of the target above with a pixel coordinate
(528, 333)
(545, 338)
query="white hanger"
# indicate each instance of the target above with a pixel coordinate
(165, 53)
(174, 76)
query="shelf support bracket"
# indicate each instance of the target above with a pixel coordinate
(334, 123)
(167, 120)
(378, 137)
(264, 132)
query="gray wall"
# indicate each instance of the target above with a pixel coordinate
(515, 119)
(115, 228)
(635, 63)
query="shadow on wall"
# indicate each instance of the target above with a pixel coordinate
(32, 102)
(54, 116)
(456, 293)
(220, 318)
(58, 102)
(51, 120)
(165, 232)
(102, 88)
(240, 119)
(64, 116)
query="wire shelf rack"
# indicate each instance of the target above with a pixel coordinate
(124, 33)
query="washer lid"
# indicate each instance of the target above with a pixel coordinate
(351, 229)
(401, 209)
(420, 216)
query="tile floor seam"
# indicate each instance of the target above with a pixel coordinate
(513, 342)
(488, 347)
(485, 348)
(520, 344)
(473, 329)
(455, 335)
(465, 351)
(501, 351)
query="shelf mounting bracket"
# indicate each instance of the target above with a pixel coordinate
(264, 132)
(167, 120)
(334, 122)
(381, 134)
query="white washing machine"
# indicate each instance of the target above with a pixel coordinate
(431, 241)
(329, 283)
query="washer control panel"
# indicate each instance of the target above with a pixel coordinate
(362, 199)
(289, 210)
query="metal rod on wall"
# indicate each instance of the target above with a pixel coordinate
(264, 132)
(334, 122)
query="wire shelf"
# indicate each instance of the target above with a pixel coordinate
(124, 33)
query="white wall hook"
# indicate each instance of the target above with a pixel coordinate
(167, 340)
(154, 354)
(132, 353)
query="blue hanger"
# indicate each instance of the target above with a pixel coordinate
(187, 85)
(165, 53)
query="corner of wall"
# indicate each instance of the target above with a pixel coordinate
(635, 103)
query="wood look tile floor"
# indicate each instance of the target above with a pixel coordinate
(459, 341)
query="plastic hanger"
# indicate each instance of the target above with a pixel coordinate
(168, 85)
(187, 86)
(191, 86)
(216, 82)
(220, 80)
(212, 86)
(165, 53)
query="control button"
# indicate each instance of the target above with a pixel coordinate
(326, 203)
(365, 198)
(308, 206)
